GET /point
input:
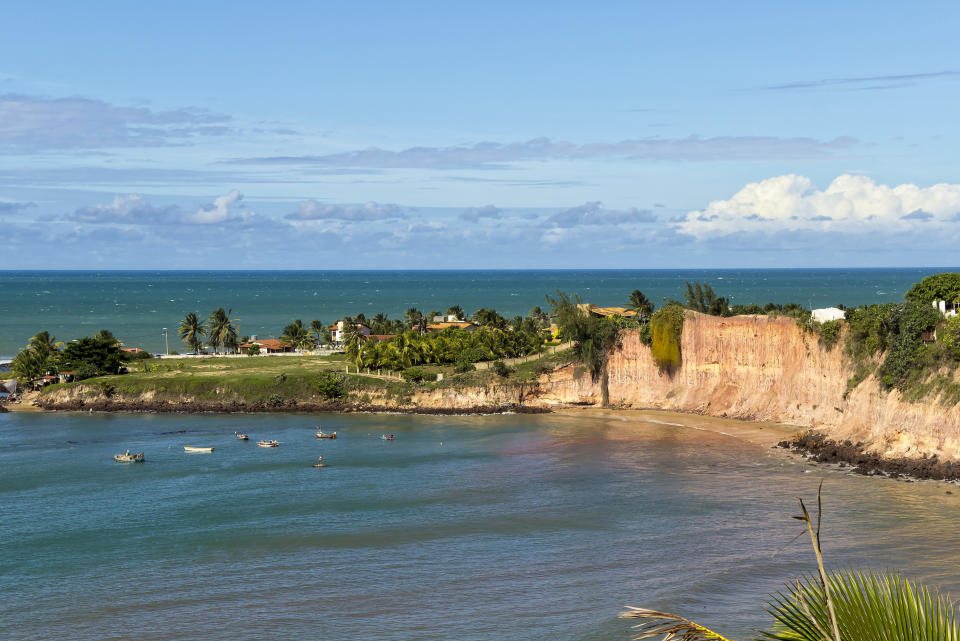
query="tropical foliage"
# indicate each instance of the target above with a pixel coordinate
(841, 605)
(221, 330)
(191, 331)
(666, 326)
(92, 356)
(297, 335)
(944, 287)
(593, 336)
(640, 304)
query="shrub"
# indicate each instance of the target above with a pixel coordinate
(84, 371)
(666, 325)
(275, 400)
(463, 365)
(331, 385)
(413, 374)
(253, 350)
(830, 333)
(501, 368)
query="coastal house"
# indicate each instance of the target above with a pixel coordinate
(267, 346)
(133, 351)
(381, 337)
(337, 331)
(827, 314)
(466, 326)
(947, 309)
(449, 318)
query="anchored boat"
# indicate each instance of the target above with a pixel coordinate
(191, 448)
(268, 443)
(127, 457)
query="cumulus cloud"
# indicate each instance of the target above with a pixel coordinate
(492, 155)
(848, 204)
(474, 214)
(593, 213)
(313, 210)
(221, 210)
(30, 123)
(132, 210)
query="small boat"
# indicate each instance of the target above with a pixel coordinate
(191, 448)
(268, 443)
(127, 457)
(319, 462)
(387, 437)
(322, 434)
(242, 437)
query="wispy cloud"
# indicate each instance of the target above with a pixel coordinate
(867, 82)
(313, 210)
(12, 207)
(594, 213)
(32, 123)
(133, 209)
(492, 155)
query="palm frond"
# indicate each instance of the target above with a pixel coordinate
(669, 626)
(869, 606)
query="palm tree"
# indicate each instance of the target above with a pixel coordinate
(30, 364)
(640, 304)
(835, 606)
(413, 318)
(222, 330)
(456, 310)
(351, 338)
(191, 331)
(297, 335)
(44, 344)
(317, 329)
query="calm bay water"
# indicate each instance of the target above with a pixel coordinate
(137, 305)
(468, 528)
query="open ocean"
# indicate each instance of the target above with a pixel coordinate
(137, 305)
(477, 528)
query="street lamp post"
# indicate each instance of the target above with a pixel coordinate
(166, 343)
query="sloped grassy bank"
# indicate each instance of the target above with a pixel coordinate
(299, 385)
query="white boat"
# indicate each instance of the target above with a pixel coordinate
(322, 434)
(268, 443)
(191, 448)
(127, 457)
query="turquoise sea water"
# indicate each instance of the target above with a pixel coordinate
(137, 305)
(468, 528)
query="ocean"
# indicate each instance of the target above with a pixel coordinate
(137, 305)
(470, 528)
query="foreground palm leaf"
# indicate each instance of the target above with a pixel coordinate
(670, 626)
(869, 607)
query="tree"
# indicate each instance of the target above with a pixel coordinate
(29, 364)
(191, 331)
(539, 316)
(94, 354)
(455, 310)
(44, 344)
(222, 331)
(318, 330)
(640, 304)
(944, 287)
(297, 335)
(351, 338)
(700, 297)
(489, 318)
(593, 337)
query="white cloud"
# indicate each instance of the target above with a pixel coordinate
(849, 204)
(222, 210)
(593, 213)
(131, 210)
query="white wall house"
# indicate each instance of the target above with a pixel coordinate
(828, 314)
(337, 331)
(947, 309)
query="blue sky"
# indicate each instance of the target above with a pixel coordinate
(417, 135)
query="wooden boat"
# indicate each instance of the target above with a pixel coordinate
(268, 443)
(387, 437)
(191, 448)
(127, 457)
(243, 437)
(319, 465)
(322, 434)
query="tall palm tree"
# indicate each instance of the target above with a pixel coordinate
(640, 304)
(44, 344)
(297, 335)
(413, 318)
(222, 330)
(351, 338)
(317, 329)
(456, 310)
(191, 331)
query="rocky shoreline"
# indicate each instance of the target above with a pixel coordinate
(207, 407)
(817, 447)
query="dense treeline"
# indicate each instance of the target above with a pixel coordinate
(85, 357)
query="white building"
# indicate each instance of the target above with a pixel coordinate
(947, 309)
(828, 314)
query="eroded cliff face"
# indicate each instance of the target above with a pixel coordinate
(764, 368)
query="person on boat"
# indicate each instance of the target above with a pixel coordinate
(127, 453)
(319, 460)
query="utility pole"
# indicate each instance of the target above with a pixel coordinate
(166, 343)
